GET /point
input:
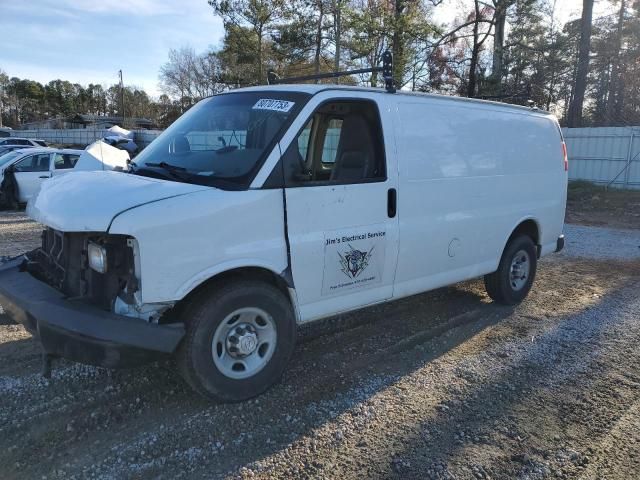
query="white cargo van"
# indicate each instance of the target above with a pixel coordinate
(264, 208)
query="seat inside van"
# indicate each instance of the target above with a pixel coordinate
(342, 143)
(355, 156)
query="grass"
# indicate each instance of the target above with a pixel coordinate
(591, 204)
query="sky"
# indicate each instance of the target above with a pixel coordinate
(88, 41)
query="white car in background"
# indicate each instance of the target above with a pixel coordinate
(27, 142)
(32, 166)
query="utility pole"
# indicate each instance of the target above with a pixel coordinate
(121, 96)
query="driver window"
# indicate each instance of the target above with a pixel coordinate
(330, 146)
(33, 163)
(303, 140)
(341, 143)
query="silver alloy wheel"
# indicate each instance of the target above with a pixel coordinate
(244, 342)
(519, 271)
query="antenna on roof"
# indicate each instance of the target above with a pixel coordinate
(386, 69)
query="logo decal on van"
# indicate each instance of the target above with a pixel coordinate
(353, 258)
(354, 262)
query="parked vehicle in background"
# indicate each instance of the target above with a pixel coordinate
(26, 142)
(268, 207)
(9, 148)
(23, 171)
(122, 139)
(5, 132)
(101, 156)
(122, 143)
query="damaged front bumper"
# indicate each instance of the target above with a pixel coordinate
(78, 331)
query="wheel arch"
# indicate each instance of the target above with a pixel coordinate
(282, 281)
(527, 226)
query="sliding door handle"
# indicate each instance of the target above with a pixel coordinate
(392, 202)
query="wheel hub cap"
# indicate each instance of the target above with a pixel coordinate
(242, 340)
(519, 273)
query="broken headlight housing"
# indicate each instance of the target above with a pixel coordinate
(97, 257)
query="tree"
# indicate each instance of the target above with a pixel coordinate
(478, 16)
(191, 77)
(616, 92)
(577, 101)
(501, 8)
(259, 16)
(4, 82)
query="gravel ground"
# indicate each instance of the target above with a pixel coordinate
(17, 234)
(601, 243)
(441, 385)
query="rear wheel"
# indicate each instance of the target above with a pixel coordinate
(511, 283)
(239, 340)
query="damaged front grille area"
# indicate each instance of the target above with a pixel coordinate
(52, 254)
(62, 262)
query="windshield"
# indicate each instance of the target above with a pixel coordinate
(221, 141)
(7, 157)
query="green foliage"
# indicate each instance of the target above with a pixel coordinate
(532, 59)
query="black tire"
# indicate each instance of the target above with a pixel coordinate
(204, 314)
(499, 284)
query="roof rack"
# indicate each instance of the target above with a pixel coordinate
(386, 69)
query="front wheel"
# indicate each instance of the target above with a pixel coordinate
(239, 340)
(511, 283)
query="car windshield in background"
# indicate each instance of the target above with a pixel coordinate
(221, 141)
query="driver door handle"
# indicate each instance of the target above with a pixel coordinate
(392, 200)
(45, 176)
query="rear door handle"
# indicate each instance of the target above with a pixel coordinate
(392, 202)
(45, 176)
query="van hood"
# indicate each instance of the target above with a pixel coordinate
(89, 201)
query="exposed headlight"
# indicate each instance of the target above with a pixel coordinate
(97, 257)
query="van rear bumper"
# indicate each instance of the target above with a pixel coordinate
(78, 331)
(560, 243)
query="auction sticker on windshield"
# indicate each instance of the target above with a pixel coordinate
(275, 105)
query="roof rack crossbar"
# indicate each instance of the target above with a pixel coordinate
(386, 69)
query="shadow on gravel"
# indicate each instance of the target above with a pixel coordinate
(490, 408)
(145, 422)
(337, 365)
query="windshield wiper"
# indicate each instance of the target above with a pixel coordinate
(166, 166)
(176, 172)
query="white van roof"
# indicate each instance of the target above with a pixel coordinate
(317, 88)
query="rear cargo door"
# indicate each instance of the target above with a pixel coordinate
(341, 191)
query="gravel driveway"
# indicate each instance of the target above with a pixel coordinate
(601, 243)
(440, 385)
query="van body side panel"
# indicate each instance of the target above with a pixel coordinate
(209, 232)
(469, 174)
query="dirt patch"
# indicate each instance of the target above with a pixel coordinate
(18, 234)
(440, 385)
(589, 204)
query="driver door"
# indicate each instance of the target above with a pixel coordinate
(30, 172)
(340, 188)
